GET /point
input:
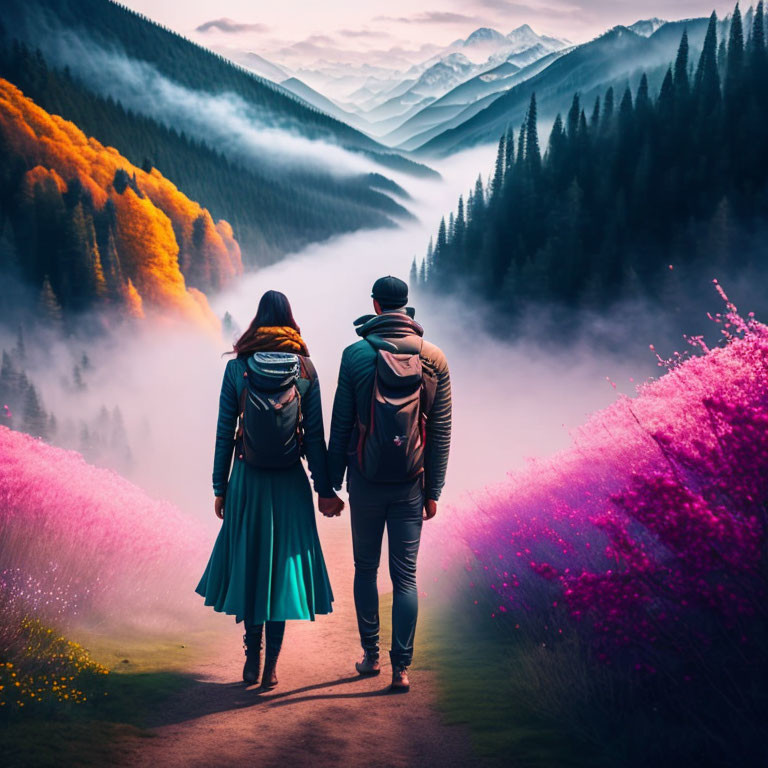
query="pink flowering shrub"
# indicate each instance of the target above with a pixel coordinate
(648, 535)
(81, 543)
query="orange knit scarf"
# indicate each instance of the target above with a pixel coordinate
(278, 339)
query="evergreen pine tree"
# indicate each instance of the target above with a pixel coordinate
(77, 379)
(521, 143)
(707, 88)
(722, 57)
(460, 226)
(643, 99)
(20, 351)
(573, 118)
(478, 197)
(557, 148)
(509, 152)
(442, 241)
(35, 419)
(48, 303)
(8, 379)
(625, 109)
(532, 150)
(498, 174)
(735, 59)
(594, 120)
(667, 101)
(681, 80)
(757, 50)
(608, 110)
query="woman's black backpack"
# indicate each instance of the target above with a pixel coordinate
(270, 429)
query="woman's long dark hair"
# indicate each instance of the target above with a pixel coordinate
(274, 310)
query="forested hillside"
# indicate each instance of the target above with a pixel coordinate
(41, 22)
(636, 195)
(87, 230)
(273, 209)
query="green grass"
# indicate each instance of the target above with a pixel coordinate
(480, 686)
(541, 700)
(145, 672)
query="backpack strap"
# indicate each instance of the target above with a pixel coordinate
(241, 412)
(428, 385)
(307, 375)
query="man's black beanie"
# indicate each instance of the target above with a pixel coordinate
(390, 292)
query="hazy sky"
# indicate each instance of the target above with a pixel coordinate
(322, 28)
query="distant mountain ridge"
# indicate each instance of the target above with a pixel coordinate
(41, 24)
(646, 27)
(390, 113)
(613, 58)
(367, 89)
(273, 207)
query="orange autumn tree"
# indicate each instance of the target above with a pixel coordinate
(101, 230)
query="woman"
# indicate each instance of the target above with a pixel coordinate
(267, 565)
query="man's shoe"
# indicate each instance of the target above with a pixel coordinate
(269, 679)
(369, 665)
(252, 647)
(400, 682)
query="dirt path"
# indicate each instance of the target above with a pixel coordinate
(321, 714)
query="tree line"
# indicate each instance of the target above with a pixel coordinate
(632, 195)
(271, 212)
(102, 438)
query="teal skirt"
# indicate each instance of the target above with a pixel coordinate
(267, 564)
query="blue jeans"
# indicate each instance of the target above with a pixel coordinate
(374, 506)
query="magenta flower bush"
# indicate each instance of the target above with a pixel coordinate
(648, 534)
(81, 543)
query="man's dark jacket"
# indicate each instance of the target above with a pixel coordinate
(398, 332)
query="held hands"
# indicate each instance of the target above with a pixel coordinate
(330, 506)
(430, 509)
(218, 507)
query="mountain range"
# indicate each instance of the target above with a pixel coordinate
(242, 145)
(384, 102)
(614, 59)
(469, 91)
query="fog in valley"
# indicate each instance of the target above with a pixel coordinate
(511, 400)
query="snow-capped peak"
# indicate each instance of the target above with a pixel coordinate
(485, 35)
(524, 37)
(646, 27)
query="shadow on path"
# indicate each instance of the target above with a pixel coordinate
(200, 698)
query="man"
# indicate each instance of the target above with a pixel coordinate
(391, 432)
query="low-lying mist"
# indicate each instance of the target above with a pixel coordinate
(512, 399)
(223, 120)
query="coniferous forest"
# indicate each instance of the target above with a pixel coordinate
(272, 209)
(631, 196)
(269, 213)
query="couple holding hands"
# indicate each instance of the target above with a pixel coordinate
(390, 435)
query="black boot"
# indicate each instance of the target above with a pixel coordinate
(275, 632)
(370, 663)
(252, 647)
